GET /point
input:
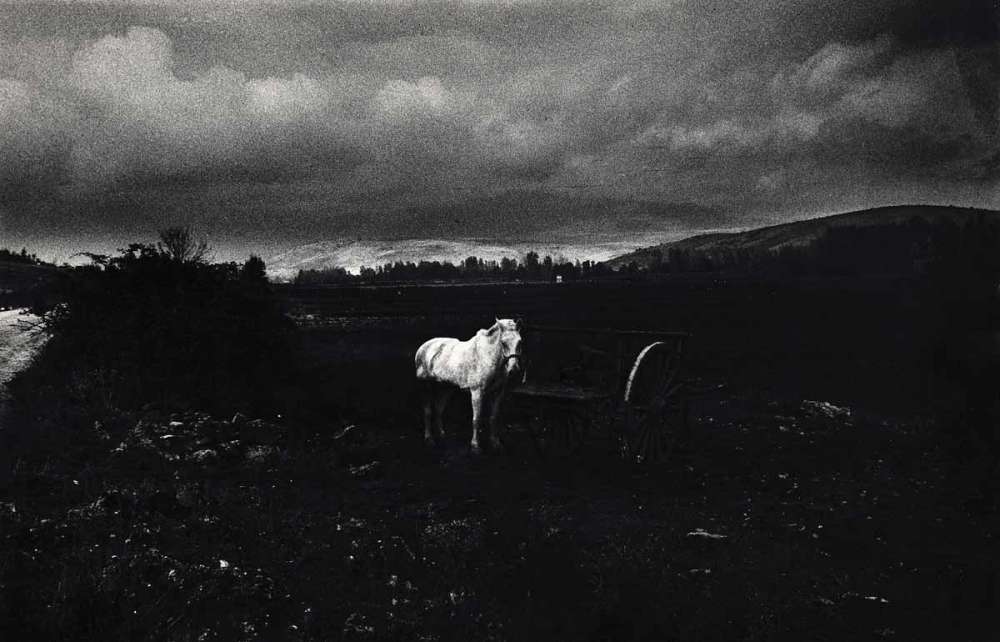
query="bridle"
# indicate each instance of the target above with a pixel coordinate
(512, 355)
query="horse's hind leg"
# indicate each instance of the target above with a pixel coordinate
(427, 390)
(441, 400)
(428, 419)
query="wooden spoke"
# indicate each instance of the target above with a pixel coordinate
(652, 438)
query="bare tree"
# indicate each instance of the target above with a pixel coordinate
(178, 244)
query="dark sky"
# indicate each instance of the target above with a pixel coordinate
(265, 125)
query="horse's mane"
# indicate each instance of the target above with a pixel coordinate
(502, 324)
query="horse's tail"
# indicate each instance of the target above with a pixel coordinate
(418, 356)
(422, 386)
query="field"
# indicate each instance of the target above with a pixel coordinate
(840, 340)
(844, 508)
(815, 500)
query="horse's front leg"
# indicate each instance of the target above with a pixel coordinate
(494, 415)
(428, 417)
(477, 416)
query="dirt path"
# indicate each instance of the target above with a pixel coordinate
(18, 342)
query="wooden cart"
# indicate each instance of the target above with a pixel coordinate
(624, 385)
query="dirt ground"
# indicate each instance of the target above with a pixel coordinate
(17, 341)
(778, 521)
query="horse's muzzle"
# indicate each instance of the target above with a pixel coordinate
(512, 361)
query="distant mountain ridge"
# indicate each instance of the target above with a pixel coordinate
(801, 233)
(508, 224)
(351, 255)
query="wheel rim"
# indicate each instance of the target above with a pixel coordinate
(650, 403)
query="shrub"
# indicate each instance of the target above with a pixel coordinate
(157, 324)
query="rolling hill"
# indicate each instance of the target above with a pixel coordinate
(18, 277)
(801, 233)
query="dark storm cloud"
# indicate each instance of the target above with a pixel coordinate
(300, 117)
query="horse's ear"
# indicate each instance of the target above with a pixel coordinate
(493, 328)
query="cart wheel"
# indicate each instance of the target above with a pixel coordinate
(653, 412)
(650, 436)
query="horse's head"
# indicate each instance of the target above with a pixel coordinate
(508, 334)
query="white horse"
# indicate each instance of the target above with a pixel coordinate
(482, 365)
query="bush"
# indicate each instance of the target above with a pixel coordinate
(159, 325)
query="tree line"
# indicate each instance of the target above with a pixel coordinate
(532, 267)
(23, 256)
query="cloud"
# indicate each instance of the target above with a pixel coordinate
(772, 181)
(401, 100)
(710, 137)
(30, 139)
(149, 124)
(879, 82)
(15, 99)
(360, 111)
(826, 74)
(848, 119)
(131, 66)
(140, 122)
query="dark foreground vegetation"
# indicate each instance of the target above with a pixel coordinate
(784, 521)
(157, 324)
(184, 465)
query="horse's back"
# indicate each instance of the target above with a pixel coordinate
(431, 354)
